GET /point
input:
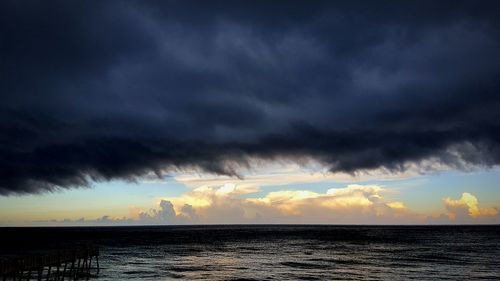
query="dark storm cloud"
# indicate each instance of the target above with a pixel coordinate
(99, 90)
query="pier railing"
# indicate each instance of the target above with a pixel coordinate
(73, 264)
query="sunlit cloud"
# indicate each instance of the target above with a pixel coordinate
(351, 204)
(467, 202)
(246, 203)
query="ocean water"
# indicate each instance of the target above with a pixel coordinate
(273, 252)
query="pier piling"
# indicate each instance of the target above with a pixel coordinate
(48, 266)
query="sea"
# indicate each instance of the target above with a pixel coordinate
(276, 252)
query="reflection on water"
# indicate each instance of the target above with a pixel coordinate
(312, 253)
(279, 252)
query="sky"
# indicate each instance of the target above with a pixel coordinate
(202, 112)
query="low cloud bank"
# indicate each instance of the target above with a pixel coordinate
(353, 204)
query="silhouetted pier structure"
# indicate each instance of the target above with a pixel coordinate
(76, 264)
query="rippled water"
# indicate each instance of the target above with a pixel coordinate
(295, 252)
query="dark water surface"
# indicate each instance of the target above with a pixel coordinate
(278, 252)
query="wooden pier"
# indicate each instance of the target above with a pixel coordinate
(75, 264)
